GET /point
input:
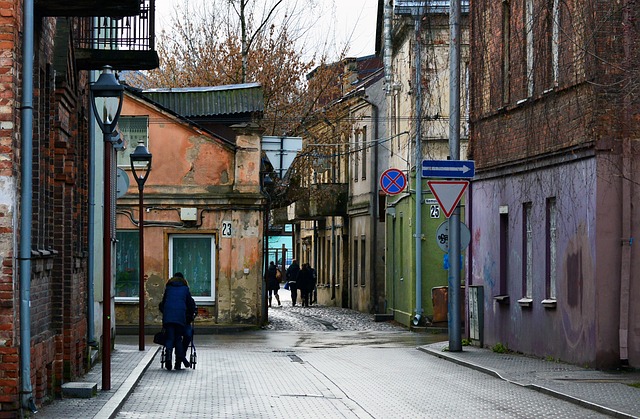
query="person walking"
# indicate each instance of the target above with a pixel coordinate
(292, 279)
(273, 284)
(176, 303)
(305, 282)
(187, 337)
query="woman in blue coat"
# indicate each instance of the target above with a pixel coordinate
(176, 303)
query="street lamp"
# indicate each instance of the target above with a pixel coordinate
(141, 167)
(106, 102)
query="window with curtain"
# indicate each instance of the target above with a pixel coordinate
(127, 264)
(194, 256)
(134, 129)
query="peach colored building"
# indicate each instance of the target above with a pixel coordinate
(203, 207)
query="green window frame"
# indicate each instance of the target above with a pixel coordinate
(127, 265)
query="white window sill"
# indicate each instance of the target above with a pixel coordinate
(525, 302)
(502, 299)
(549, 303)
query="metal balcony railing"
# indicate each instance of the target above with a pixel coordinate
(130, 33)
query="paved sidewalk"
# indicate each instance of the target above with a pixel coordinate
(128, 364)
(606, 392)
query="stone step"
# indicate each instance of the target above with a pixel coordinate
(79, 390)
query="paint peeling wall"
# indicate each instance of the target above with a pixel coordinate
(571, 332)
(193, 169)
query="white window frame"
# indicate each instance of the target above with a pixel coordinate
(212, 237)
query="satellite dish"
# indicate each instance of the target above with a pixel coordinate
(122, 183)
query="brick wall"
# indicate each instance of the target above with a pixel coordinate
(60, 212)
(578, 108)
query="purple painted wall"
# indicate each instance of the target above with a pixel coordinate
(583, 327)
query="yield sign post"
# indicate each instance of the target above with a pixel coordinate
(448, 193)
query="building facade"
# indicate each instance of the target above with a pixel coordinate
(46, 142)
(553, 134)
(432, 135)
(203, 207)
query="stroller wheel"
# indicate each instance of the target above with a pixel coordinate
(193, 360)
(162, 357)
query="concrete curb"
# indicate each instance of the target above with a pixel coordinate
(116, 401)
(563, 396)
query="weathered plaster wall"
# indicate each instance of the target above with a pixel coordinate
(570, 329)
(192, 169)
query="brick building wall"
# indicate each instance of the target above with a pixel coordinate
(60, 211)
(554, 121)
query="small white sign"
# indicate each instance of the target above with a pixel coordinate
(226, 229)
(434, 211)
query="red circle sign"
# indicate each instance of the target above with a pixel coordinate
(393, 181)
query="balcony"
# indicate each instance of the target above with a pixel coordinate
(119, 33)
(279, 216)
(87, 8)
(328, 199)
(299, 211)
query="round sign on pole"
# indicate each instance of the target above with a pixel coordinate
(393, 181)
(442, 236)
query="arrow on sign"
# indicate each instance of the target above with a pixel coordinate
(448, 193)
(448, 168)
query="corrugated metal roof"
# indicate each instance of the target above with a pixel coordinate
(209, 101)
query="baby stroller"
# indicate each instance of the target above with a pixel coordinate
(193, 357)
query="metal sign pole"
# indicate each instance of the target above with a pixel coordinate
(455, 330)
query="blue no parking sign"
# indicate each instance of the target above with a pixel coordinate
(393, 181)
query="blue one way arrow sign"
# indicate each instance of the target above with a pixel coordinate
(449, 169)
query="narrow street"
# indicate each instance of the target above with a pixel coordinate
(322, 362)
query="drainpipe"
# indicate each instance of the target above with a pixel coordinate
(388, 15)
(374, 204)
(91, 333)
(26, 204)
(418, 165)
(627, 220)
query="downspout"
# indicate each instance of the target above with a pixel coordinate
(91, 333)
(374, 204)
(26, 204)
(388, 48)
(627, 219)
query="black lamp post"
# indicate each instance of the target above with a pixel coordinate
(106, 101)
(141, 167)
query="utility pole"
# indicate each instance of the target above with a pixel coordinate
(417, 15)
(455, 330)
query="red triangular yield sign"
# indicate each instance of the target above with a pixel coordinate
(448, 193)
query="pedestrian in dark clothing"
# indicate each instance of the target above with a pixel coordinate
(187, 337)
(292, 279)
(305, 282)
(273, 284)
(176, 303)
(313, 292)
